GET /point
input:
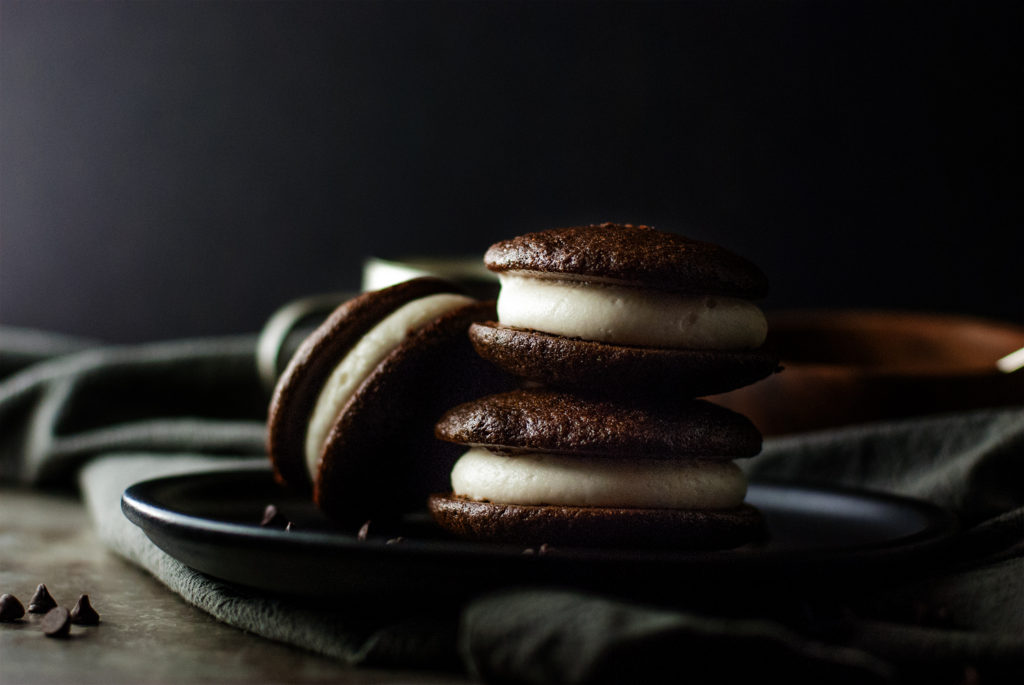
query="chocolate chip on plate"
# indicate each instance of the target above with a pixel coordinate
(10, 608)
(364, 532)
(83, 614)
(56, 623)
(41, 601)
(545, 548)
(273, 518)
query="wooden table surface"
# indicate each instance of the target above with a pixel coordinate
(147, 634)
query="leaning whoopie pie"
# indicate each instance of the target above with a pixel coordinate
(352, 415)
(621, 306)
(546, 466)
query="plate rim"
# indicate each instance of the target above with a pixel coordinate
(138, 506)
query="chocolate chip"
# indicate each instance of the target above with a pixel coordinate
(10, 608)
(56, 623)
(41, 601)
(273, 518)
(83, 614)
(545, 548)
(364, 531)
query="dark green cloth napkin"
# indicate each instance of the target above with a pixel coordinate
(104, 417)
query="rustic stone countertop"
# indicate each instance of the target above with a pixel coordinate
(147, 634)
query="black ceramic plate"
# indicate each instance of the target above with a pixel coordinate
(817, 538)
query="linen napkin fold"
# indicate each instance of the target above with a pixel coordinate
(105, 417)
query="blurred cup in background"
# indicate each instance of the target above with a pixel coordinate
(469, 272)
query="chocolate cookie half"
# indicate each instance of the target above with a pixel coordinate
(554, 422)
(558, 468)
(618, 305)
(597, 526)
(571, 362)
(629, 254)
(352, 416)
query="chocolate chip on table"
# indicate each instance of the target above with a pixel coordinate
(10, 608)
(273, 518)
(41, 601)
(83, 614)
(56, 623)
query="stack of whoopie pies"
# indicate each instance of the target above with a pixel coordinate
(615, 331)
(575, 394)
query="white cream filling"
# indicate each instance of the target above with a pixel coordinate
(364, 356)
(629, 316)
(593, 482)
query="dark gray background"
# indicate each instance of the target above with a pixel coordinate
(181, 168)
